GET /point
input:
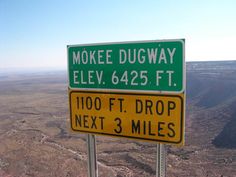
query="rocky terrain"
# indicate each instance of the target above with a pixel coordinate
(36, 140)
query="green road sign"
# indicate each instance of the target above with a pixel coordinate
(153, 66)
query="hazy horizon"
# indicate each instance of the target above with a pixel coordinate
(48, 68)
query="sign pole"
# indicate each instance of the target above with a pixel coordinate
(161, 161)
(92, 158)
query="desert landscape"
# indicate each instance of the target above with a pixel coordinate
(36, 139)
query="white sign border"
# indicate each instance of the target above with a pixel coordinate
(182, 41)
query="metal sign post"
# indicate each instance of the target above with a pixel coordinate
(161, 161)
(92, 158)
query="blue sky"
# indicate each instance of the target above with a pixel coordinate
(35, 33)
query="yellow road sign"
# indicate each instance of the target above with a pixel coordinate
(149, 117)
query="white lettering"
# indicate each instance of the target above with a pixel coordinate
(100, 56)
(82, 78)
(76, 58)
(171, 53)
(142, 57)
(123, 56)
(170, 77)
(158, 77)
(92, 58)
(99, 76)
(152, 55)
(90, 77)
(108, 56)
(130, 58)
(84, 57)
(162, 56)
(76, 77)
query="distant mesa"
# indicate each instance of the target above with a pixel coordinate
(211, 83)
(227, 137)
(212, 86)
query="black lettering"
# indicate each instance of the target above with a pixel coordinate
(160, 128)
(171, 106)
(159, 107)
(136, 127)
(89, 103)
(144, 127)
(148, 106)
(78, 120)
(172, 131)
(83, 121)
(150, 129)
(111, 103)
(121, 104)
(77, 98)
(94, 122)
(97, 103)
(86, 121)
(119, 128)
(102, 118)
(139, 109)
(82, 104)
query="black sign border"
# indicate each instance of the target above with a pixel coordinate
(131, 137)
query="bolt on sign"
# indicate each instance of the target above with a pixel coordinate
(132, 89)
